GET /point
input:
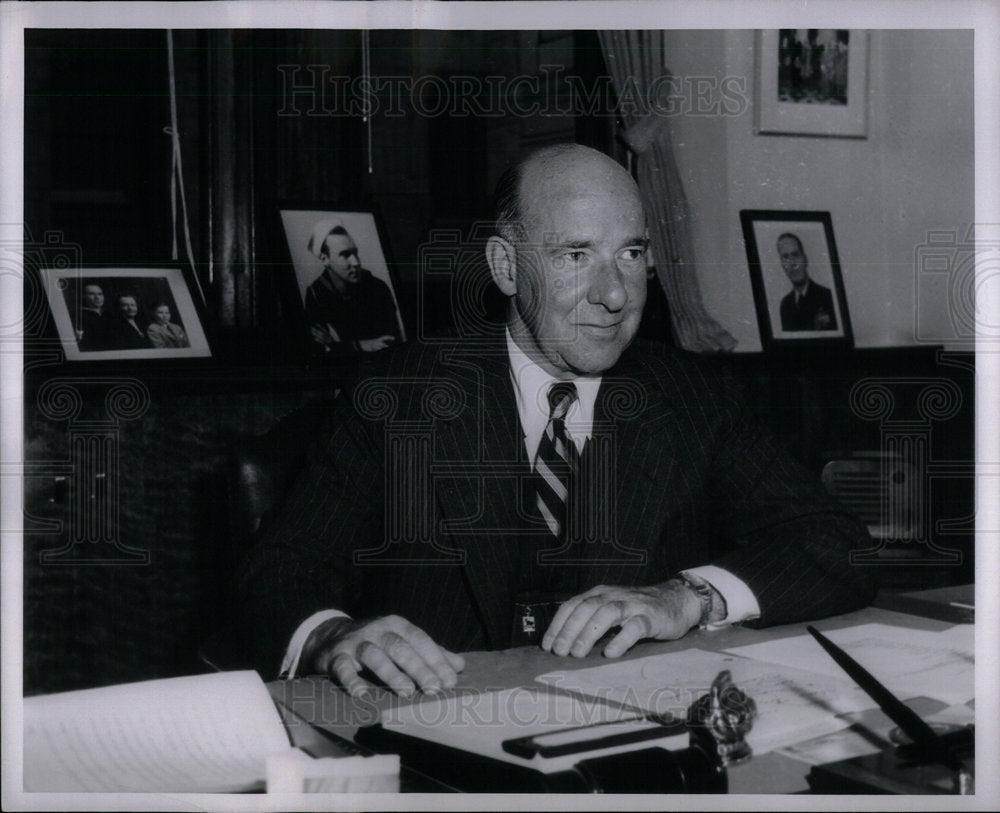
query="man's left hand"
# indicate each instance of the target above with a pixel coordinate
(664, 612)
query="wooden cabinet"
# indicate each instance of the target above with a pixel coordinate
(911, 407)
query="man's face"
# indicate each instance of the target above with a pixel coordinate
(341, 256)
(127, 307)
(581, 273)
(93, 296)
(162, 314)
(793, 260)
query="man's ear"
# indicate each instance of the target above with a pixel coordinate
(502, 257)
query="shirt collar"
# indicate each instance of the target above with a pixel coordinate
(531, 386)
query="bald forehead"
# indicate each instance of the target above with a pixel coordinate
(572, 169)
(789, 242)
(556, 182)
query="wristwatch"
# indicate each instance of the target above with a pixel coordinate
(707, 595)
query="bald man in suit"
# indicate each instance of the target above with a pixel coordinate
(809, 305)
(421, 522)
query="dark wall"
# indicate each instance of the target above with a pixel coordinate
(97, 162)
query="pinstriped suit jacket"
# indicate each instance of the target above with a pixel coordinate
(412, 503)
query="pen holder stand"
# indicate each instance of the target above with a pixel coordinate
(654, 770)
(907, 769)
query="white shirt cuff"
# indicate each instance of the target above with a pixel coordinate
(290, 663)
(741, 603)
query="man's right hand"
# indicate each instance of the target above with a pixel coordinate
(401, 654)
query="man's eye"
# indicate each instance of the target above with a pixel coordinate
(633, 254)
(575, 256)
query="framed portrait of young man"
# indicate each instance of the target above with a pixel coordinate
(345, 298)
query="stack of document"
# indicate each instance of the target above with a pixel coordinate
(206, 733)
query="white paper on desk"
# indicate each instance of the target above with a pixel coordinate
(792, 704)
(206, 733)
(479, 722)
(908, 662)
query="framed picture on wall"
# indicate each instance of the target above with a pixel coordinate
(344, 298)
(798, 289)
(123, 314)
(812, 81)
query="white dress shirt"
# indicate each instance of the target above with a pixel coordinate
(531, 391)
(531, 386)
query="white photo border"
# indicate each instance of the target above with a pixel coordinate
(796, 118)
(55, 280)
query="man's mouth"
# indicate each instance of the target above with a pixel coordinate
(597, 329)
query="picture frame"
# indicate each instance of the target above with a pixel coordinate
(798, 290)
(122, 315)
(341, 289)
(812, 82)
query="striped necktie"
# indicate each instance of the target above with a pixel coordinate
(556, 461)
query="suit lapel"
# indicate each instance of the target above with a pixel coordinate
(635, 421)
(478, 464)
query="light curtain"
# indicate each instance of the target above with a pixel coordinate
(635, 60)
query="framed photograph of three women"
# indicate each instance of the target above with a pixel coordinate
(123, 314)
(798, 289)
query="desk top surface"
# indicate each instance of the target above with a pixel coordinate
(319, 702)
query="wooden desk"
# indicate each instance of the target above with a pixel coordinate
(319, 702)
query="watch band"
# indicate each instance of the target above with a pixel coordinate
(705, 595)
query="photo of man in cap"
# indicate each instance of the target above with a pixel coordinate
(348, 309)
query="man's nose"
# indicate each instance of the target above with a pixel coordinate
(354, 261)
(607, 287)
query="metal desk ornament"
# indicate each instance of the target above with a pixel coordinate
(721, 719)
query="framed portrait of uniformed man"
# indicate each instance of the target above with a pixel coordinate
(343, 281)
(795, 274)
